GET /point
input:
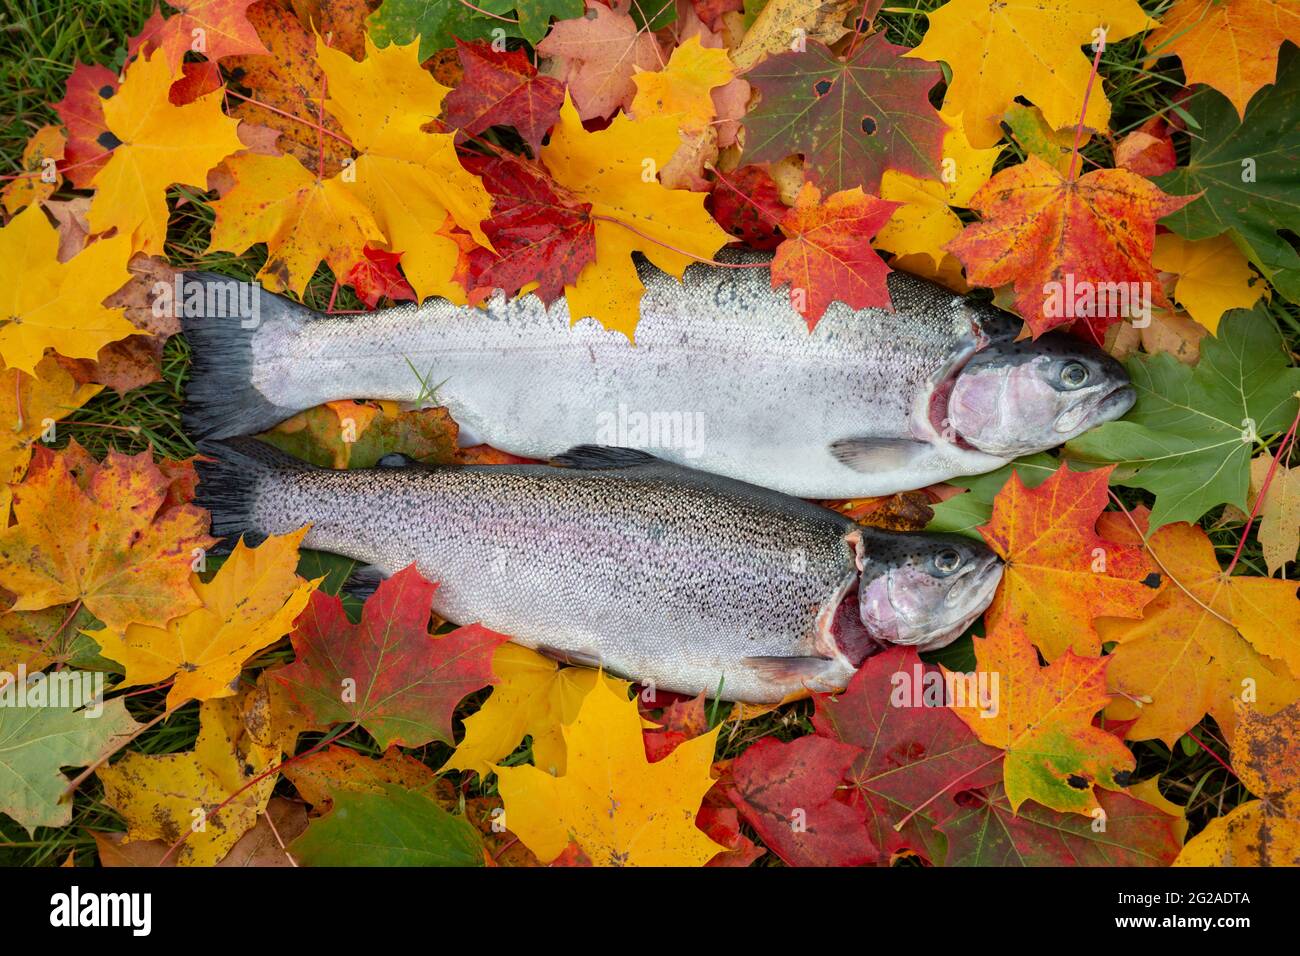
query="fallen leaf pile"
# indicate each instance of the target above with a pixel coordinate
(243, 708)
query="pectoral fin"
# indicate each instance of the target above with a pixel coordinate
(577, 658)
(804, 670)
(879, 454)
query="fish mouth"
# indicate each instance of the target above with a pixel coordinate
(1108, 407)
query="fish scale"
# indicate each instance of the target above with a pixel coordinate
(720, 351)
(659, 573)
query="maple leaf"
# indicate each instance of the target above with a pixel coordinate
(1263, 832)
(82, 113)
(250, 603)
(289, 88)
(787, 793)
(39, 177)
(394, 827)
(126, 564)
(386, 673)
(1000, 51)
(262, 846)
(1059, 573)
(502, 89)
(1279, 516)
(410, 180)
(1043, 231)
(621, 809)
(1213, 276)
(46, 303)
(157, 794)
(317, 776)
(533, 697)
(157, 144)
(1031, 132)
(1189, 437)
(30, 403)
(37, 741)
(597, 56)
(355, 435)
(913, 753)
(747, 204)
(437, 24)
(213, 28)
(1231, 45)
(851, 119)
(827, 257)
(1042, 718)
(924, 223)
(1263, 146)
(376, 277)
(821, 21)
(302, 219)
(1147, 150)
(1199, 639)
(984, 830)
(539, 234)
(670, 226)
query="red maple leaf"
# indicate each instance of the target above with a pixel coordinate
(828, 256)
(540, 234)
(386, 673)
(748, 205)
(212, 28)
(375, 277)
(82, 113)
(502, 89)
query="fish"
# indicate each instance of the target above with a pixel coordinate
(611, 557)
(724, 376)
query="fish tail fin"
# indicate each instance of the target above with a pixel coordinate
(220, 326)
(232, 475)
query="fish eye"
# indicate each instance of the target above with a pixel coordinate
(1074, 375)
(947, 561)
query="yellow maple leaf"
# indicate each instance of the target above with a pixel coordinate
(29, 406)
(533, 696)
(683, 87)
(925, 223)
(160, 144)
(1213, 275)
(1279, 516)
(129, 558)
(1263, 832)
(302, 220)
(40, 177)
(615, 170)
(1199, 639)
(162, 796)
(998, 51)
(1231, 45)
(410, 180)
(45, 303)
(618, 807)
(250, 603)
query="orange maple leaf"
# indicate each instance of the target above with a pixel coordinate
(1060, 574)
(1075, 248)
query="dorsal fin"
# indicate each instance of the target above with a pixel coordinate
(602, 456)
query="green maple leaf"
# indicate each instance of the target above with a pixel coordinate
(397, 827)
(35, 742)
(439, 23)
(1190, 436)
(1248, 172)
(851, 119)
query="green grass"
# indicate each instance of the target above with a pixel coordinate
(40, 40)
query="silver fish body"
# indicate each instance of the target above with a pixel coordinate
(724, 376)
(658, 573)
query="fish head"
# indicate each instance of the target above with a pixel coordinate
(1014, 398)
(924, 590)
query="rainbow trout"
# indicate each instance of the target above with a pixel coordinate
(724, 377)
(685, 580)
